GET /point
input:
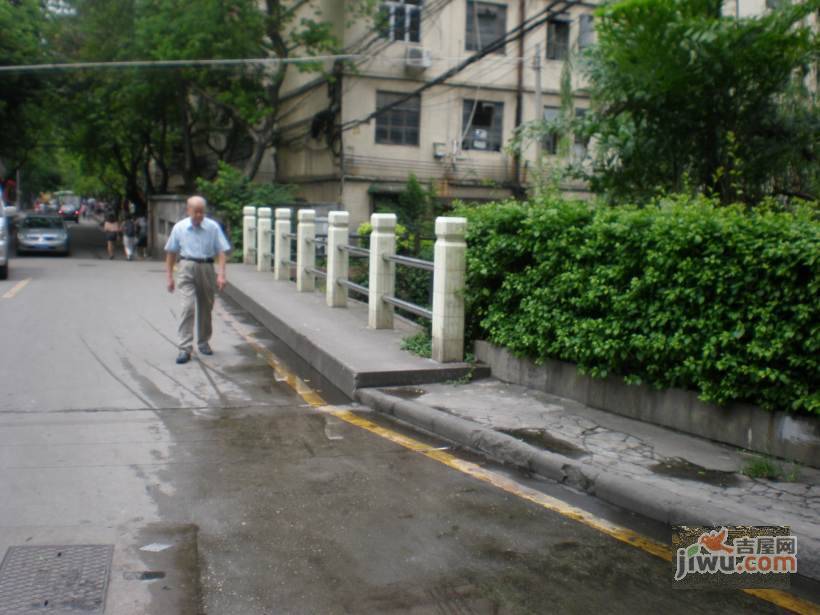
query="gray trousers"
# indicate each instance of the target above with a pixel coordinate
(196, 282)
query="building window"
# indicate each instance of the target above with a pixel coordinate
(557, 39)
(580, 142)
(400, 20)
(483, 125)
(398, 125)
(486, 23)
(586, 34)
(550, 145)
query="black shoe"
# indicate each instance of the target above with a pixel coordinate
(205, 349)
(183, 357)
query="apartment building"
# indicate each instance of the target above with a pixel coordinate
(444, 120)
(337, 148)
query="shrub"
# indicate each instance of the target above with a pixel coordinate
(230, 191)
(683, 293)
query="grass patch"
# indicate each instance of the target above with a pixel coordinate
(766, 467)
(420, 344)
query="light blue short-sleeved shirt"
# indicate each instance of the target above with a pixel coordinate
(204, 241)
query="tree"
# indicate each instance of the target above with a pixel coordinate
(685, 97)
(233, 113)
(151, 124)
(23, 27)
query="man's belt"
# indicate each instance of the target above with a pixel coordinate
(196, 260)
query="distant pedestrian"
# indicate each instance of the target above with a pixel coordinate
(142, 237)
(129, 237)
(111, 229)
(197, 242)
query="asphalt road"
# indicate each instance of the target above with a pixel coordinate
(270, 505)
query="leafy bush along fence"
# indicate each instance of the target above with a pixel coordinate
(684, 294)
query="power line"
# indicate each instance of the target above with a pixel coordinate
(173, 63)
(531, 23)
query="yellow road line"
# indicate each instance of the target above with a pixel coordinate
(16, 288)
(782, 599)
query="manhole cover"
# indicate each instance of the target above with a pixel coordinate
(55, 580)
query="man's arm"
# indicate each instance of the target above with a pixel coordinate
(170, 261)
(220, 270)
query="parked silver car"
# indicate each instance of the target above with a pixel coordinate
(5, 238)
(39, 233)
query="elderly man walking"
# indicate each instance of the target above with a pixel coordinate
(196, 242)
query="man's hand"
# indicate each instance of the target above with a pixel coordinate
(220, 281)
(170, 262)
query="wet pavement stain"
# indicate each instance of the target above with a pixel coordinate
(541, 439)
(681, 468)
(147, 386)
(406, 392)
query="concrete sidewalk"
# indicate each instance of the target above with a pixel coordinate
(336, 341)
(653, 471)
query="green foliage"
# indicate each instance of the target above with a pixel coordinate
(685, 97)
(230, 191)
(766, 467)
(135, 130)
(682, 293)
(420, 344)
(23, 28)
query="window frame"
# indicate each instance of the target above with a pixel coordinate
(388, 124)
(388, 29)
(586, 30)
(495, 132)
(470, 38)
(549, 145)
(553, 39)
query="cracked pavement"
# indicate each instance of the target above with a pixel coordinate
(708, 473)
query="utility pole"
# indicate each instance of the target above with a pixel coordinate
(519, 98)
(539, 113)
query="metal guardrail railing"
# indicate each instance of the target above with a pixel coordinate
(334, 245)
(358, 288)
(409, 261)
(409, 307)
(355, 250)
(317, 272)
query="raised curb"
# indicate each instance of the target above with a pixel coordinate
(653, 502)
(344, 376)
(791, 437)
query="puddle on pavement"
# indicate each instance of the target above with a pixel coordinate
(406, 392)
(541, 439)
(681, 468)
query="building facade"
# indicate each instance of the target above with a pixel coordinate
(335, 148)
(444, 120)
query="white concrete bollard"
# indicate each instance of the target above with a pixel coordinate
(281, 245)
(249, 235)
(263, 225)
(448, 289)
(382, 278)
(305, 250)
(337, 259)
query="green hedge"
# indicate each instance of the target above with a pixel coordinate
(684, 294)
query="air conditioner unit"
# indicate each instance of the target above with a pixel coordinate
(418, 58)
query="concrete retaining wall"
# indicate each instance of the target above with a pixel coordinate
(795, 438)
(164, 210)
